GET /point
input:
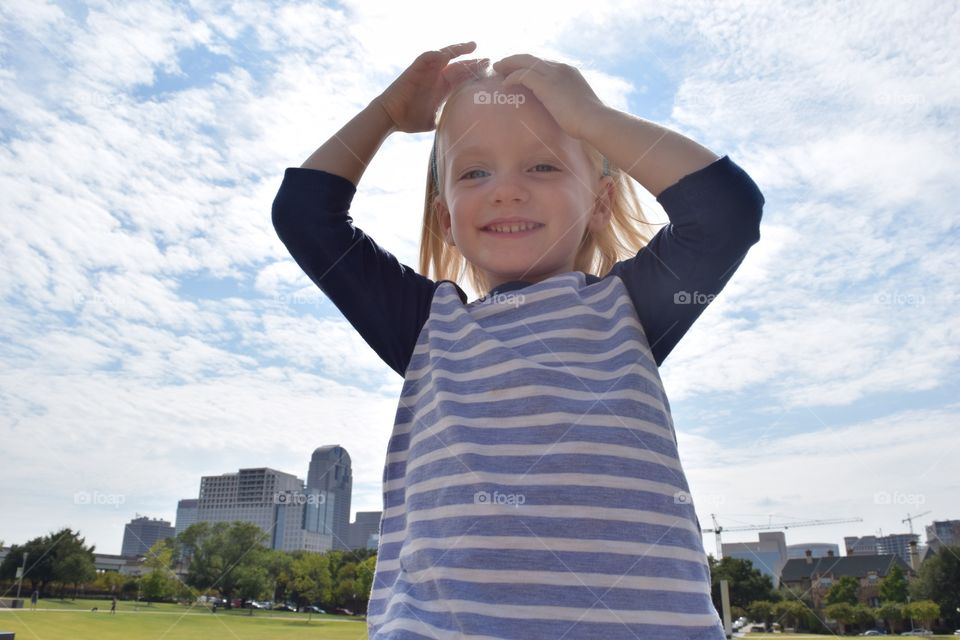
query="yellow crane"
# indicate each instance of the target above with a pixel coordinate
(717, 529)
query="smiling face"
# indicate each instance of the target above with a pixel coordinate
(518, 193)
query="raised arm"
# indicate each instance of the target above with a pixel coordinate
(409, 105)
(715, 217)
(714, 209)
(651, 154)
(348, 152)
(385, 300)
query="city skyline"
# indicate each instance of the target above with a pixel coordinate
(926, 529)
(156, 330)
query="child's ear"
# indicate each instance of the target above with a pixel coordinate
(443, 219)
(600, 216)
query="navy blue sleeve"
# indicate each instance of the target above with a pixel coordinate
(714, 219)
(386, 301)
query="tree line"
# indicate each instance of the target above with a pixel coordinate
(229, 560)
(226, 560)
(934, 595)
(55, 562)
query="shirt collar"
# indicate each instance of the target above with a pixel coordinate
(514, 285)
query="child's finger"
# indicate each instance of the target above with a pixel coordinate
(508, 65)
(471, 66)
(455, 50)
(458, 71)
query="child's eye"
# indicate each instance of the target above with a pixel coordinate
(466, 176)
(469, 174)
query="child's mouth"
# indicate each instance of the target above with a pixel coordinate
(517, 230)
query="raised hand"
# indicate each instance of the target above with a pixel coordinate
(412, 100)
(560, 87)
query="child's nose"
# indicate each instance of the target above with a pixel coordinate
(509, 187)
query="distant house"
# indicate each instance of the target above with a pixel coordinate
(815, 576)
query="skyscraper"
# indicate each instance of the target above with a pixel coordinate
(292, 519)
(141, 533)
(186, 514)
(331, 473)
(943, 533)
(365, 532)
(897, 544)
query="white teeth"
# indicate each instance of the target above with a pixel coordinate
(513, 228)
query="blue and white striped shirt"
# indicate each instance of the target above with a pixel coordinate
(532, 485)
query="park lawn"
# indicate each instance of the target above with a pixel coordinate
(104, 605)
(174, 622)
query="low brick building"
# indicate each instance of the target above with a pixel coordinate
(814, 576)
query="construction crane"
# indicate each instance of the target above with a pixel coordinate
(717, 529)
(910, 519)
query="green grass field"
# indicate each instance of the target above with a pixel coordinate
(73, 620)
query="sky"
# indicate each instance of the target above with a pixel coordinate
(155, 329)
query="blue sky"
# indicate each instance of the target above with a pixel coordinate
(156, 330)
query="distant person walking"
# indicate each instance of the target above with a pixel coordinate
(33, 599)
(113, 605)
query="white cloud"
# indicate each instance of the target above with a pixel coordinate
(134, 180)
(868, 469)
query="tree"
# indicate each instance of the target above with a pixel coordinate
(161, 582)
(890, 613)
(865, 616)
(51, 558)
(924, 611)
(893, 588)
(842, 612)
(279, 566)
(761, 611)
(131, 586)
(939, 581)
(157, 586)
(344, 586)
(72, 559)
(364, 582)
(793, 612)
(843, 590)
(311, 578)
(39, 563)
(222, 553)
(251, 579)
(76, 568)
(746, 583)
(109, 581)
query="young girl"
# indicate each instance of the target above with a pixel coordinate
(532, 485)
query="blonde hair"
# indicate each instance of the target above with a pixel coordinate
(621, 238)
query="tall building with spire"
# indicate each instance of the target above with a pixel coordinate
(330, 472)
